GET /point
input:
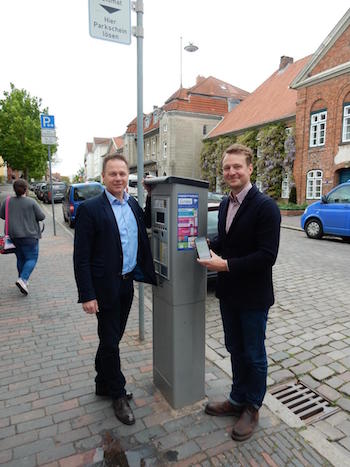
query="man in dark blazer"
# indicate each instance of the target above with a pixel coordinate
(111, 249)
(243, 254)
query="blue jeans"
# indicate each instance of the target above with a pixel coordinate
(245, 341)
(27, 252)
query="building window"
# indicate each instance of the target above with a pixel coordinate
(153, 147)
(204, 129)
(346, 123)
(285, 190)
(258, 184)
(165, 148)
(314, 184)
(165, 127)
(318, 128)
(147, 121)
(147, 150)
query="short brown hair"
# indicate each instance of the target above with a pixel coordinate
(20, 186)
(237, 148)
(114, 156)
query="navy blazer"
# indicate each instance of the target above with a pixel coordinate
(251, 247)
(98, 254)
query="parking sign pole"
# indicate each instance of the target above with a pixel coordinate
(140, 171)
(51, 187)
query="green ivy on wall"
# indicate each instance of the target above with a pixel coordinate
(276, 157)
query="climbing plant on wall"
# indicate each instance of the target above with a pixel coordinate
(270, 163)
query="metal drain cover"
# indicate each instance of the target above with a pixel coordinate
(305, 403)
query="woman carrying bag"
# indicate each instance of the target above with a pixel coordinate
(24, 215)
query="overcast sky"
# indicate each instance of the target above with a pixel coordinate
(89, 85)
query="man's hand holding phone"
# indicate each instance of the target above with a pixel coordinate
(208, 258)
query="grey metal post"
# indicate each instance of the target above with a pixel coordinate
(140, 169)
(52, 197)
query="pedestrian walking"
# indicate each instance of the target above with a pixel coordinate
(24, 215)
(111, 249)
(247, 242)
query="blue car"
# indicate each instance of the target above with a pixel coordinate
(75, 195)
(330, 216)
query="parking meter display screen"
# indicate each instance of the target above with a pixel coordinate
(160, 217)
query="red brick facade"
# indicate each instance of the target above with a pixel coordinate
(328, 93)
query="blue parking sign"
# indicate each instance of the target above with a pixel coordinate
(47, 121)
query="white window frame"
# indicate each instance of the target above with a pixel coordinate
(258, 184)
(153, 147)
(314, 184)
(285, 188)
(147, 121)
(165, 149)
(318, 127)
(165, 127)
(346, 124)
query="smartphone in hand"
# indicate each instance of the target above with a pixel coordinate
(202, 248)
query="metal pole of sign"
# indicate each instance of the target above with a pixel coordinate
(51, 188)
(138, 32)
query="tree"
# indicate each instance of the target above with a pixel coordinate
(20, 133)
(79, 176)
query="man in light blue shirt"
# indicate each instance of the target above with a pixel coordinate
(111, 248)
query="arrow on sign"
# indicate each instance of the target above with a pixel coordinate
(109, 9)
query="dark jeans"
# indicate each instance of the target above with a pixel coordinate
(111, 327)
(27, 252)
(245, 341)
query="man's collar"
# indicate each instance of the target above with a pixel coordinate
(242, 194)
(111, 198)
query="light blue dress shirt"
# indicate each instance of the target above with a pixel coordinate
(128, 230)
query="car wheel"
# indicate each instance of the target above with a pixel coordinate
(313, 229)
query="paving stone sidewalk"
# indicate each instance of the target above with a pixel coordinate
(51, 417)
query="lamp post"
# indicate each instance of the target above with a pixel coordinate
(190, 47)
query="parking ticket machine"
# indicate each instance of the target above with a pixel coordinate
(179, 214)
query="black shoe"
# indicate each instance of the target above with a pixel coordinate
(123, 411)
(101, 389)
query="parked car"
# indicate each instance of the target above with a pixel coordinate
(75, 194)
(330, 215)
(58, 190)
(39, 191)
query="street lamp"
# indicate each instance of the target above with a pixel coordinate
(190, 47)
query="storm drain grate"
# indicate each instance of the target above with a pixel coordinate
(304, 402)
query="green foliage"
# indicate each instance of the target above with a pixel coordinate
(249, 138)
(276, 151)
(292, 206)
(20, 133)
(79, 176)
(270, 163)
(211, 156)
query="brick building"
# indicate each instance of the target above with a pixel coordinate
(323, 116)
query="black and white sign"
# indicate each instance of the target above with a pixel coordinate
(110, 20)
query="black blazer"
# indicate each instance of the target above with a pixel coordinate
(98, 254)
(251, 247)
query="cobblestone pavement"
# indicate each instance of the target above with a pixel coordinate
(50, 416)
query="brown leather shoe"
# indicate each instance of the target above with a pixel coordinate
(223, 409)
(123, 411)
(246, 424)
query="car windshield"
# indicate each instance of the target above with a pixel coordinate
(84, 192)
(212, 222)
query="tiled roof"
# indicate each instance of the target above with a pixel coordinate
(215, 87)
(118, 141)
(208, 96)
(271, 101)
(101, 140)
